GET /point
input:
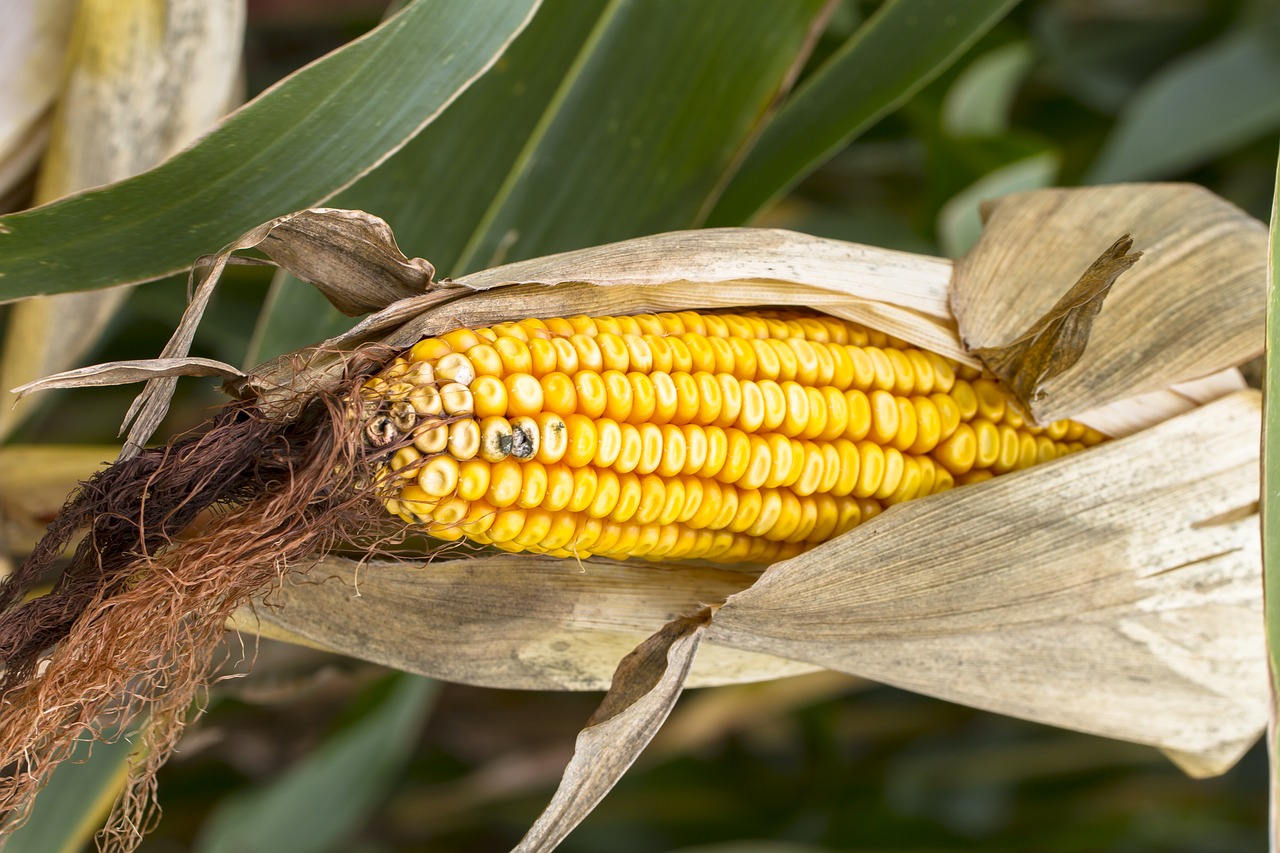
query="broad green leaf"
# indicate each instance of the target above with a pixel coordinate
(899, 49)
(299, 143)
(979, 102)
(319, 802)
(603, 121)
(1201, 107)
(1271, 498)
(112, 121)
(75, 803)
(435, 189)
(653, 115)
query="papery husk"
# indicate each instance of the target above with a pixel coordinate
(461, 619)
(1194, 304)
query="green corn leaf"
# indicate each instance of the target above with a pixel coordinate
(603, 121)
(297, 144)
(1271, 497)
(898, 50)
(319, 802)
(1202, 106)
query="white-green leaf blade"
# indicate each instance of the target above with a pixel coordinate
(1271, 502)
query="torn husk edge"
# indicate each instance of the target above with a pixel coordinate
(708, 269)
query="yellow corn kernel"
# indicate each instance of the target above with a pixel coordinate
(748, 436)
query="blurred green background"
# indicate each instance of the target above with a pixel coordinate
(313, 752)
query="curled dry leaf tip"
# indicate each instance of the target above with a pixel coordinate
(752, 448)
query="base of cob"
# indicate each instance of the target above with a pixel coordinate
(746, 437)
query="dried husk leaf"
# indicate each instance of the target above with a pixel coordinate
(1193, 306)
(142, 80)
(1110, 592)
(644, 690)
(349, 256)
(1058, 339)
(510, 621)
(354, 253)
(129, 372)
(1134, 414)
(896, 292)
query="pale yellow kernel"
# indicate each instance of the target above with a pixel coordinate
(542, 357)
(651, 447)
(455, 367)
(850, 466)
(425, 400)
(812, 471)
(907, 426)
(464, 439)
(770, 511)
(524, 394)
(782, 459)
(585, 483)
(710, 399)
(489, 396)
(885, 377)
(885, 416)
(506, 479)
(404, 463)
(629, 493)
(871, 465)
(894, 468)
(631, 450)
(949, 415)
(608, 489)
(431, 437)
(495, 439)
(675, 451)
(644, 400)
(429, 349)
(904, 377)
(506, 525)
(553, 437)
(965, 398)
(473, 479)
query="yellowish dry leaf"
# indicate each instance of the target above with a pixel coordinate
(644, 690)
(1058, 339)
(1193, 306)
(142, 81)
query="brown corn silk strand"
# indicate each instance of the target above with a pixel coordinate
(131, 629)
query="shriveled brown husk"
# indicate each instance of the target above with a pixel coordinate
(131, 630)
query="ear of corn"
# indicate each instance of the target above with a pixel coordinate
(728, 437)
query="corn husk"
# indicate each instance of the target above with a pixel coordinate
(1115, 591)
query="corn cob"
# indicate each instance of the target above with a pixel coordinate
(729, 437)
